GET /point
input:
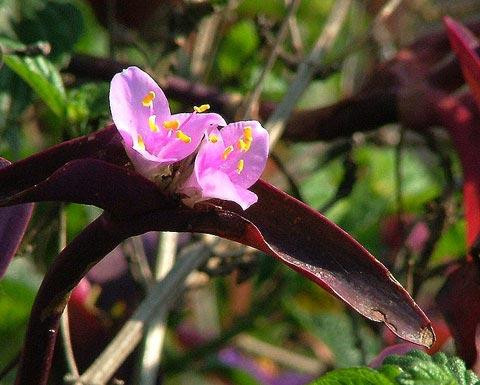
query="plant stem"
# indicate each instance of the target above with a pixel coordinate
(160, 297)
(249, 103)
(64, 321)
(154, 337)
(306, 70)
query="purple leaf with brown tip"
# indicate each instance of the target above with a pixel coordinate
(13, 223)
(278, 224)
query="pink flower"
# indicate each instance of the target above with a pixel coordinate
(154, 138)
(229, 161)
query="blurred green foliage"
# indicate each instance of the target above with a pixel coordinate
(42, 104)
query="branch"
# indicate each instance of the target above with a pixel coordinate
(158, 300)
(277, 121)
(99, 238)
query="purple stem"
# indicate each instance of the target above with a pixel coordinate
(98, 239)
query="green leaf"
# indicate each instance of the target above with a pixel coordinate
(17, 292)
(353, 376)
(43, 77)
(59, 23)
(418, 368)
(349, 348)
(237, 48)
(86, 104)
(414, 368)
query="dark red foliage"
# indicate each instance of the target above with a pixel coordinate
(13, 223)
(460, 295)
(458, 300)
(278, 225)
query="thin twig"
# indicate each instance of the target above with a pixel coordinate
(10, 365)
(442, 215)
(294, 189)
(138, 263)
(64, 321)
(346, 185)
(276, 123)
(154, 337)
(251, 101)
(295, 35)
(278, 354)
(208, 39)
(263, 305)
(398, 176)
(159, 298)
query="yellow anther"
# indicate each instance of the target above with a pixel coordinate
(202, 108)
(247, 134)
(148, 99)
(243, 145)
(171, 124)
(184, 138)
(240, 166)
(227, 152)
(213, 138)
(152, 124)
(141, 143)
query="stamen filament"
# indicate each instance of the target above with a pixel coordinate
(240, 166)
(141, 143)
(152, 124)
(227, 152)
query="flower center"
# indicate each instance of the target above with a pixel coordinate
(240, 165)
(227, 152)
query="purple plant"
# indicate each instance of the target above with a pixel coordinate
(13, 223)
(112, 170)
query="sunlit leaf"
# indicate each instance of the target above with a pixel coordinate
(43, 78)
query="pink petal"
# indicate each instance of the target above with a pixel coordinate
(127, 91)
(254, 159)
(216, 184)
(223, 169)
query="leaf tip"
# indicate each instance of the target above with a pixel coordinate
(427, 336)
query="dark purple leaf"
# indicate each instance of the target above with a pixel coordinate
(103, 144)
(324, 253)
(13, 223)
(306, 241)
(91, 181)
(277, 225)
(464, 44)
(458, 301)
(314, 246)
